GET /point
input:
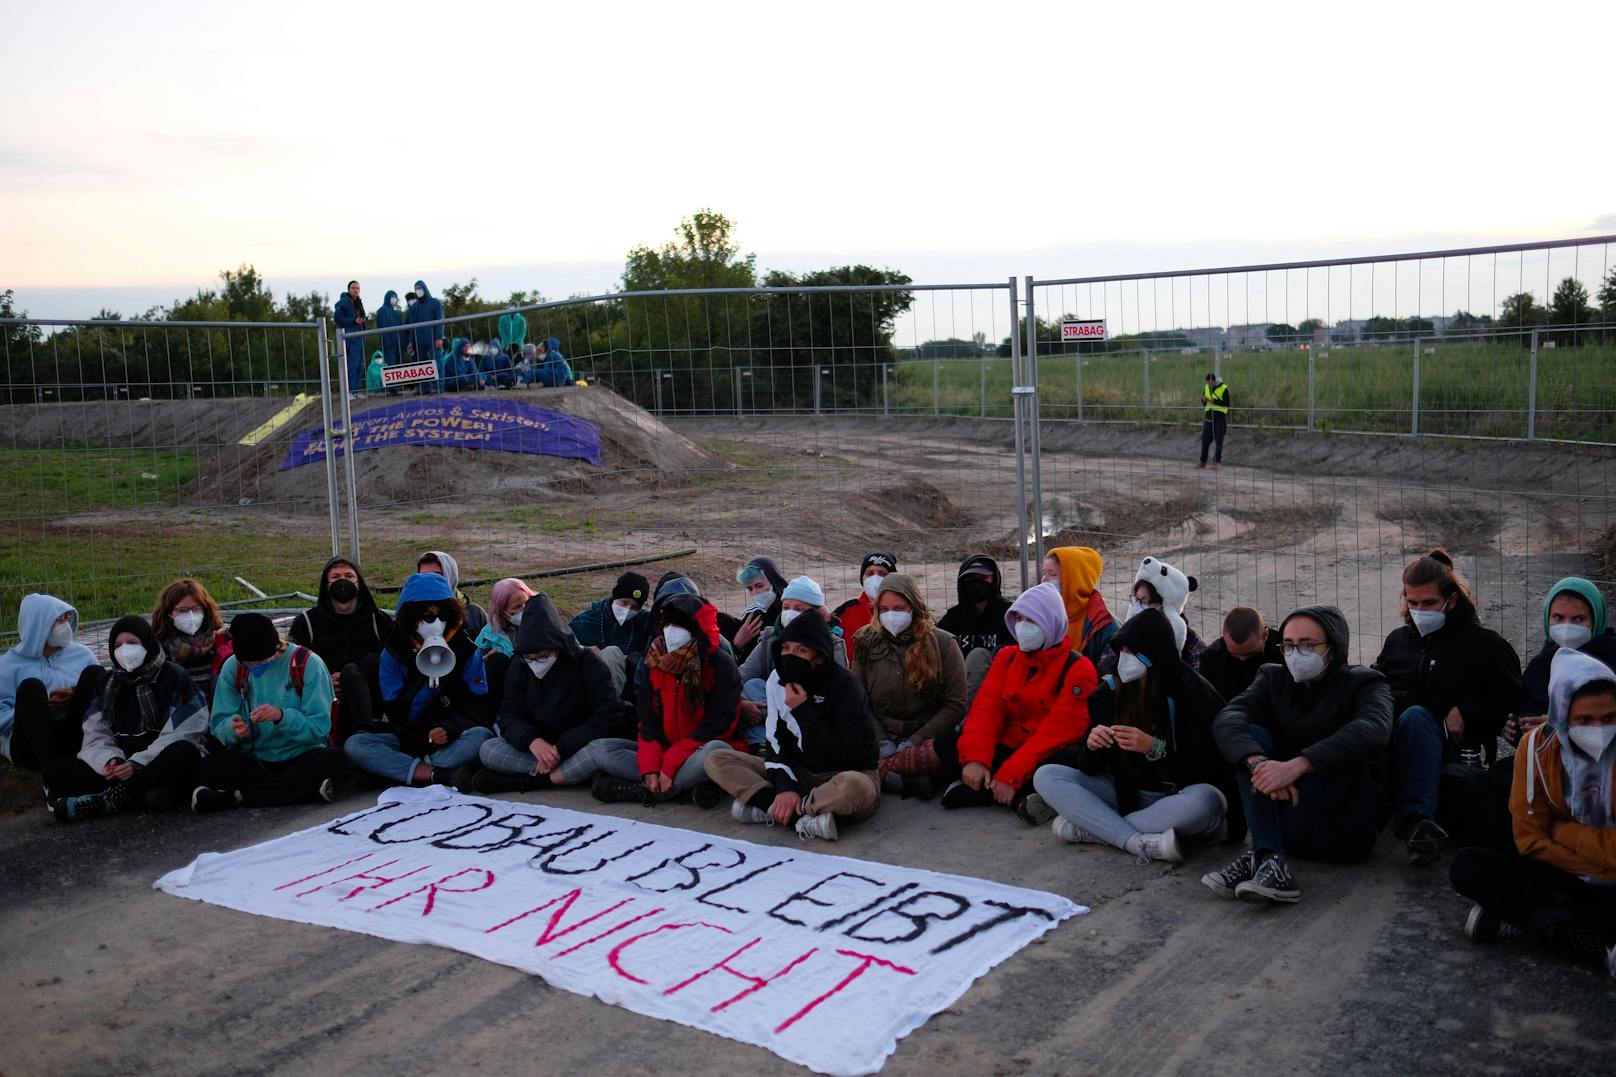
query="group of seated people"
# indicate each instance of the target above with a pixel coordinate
(1133, 734)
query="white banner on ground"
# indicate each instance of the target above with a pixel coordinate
(824, 960)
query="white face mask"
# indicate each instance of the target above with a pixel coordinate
(188, 622)
(1592, 740)
(787, 616)
(622, 611)
(897, 622)
(1135, 608)
(131, 656)
(674, 637)
(872, 586)
(761, 602)
(1305, 666)
(1029, 636)
(515, 619)
(1130, 667)
(1570, 636)
(1427, 621)
(540, 666)
(428, 629)
(60, 634)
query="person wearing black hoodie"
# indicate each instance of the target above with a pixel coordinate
(347, 630)
(1230, 664)
(558, 699)
(819, 759)
(978, 621)
(1454, 685)
(1303, 740)
(764, 584)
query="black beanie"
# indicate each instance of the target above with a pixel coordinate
(254, 637)
(885, 560)
(632, 585)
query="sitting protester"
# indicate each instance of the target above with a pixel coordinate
(427, 731)
(272, 714)
(548, 368)
(1230, 664)
(1454, 684)
(688, 707)
(1303, 740)
(446, 566)
(618, 628)
(507, 599)
(47, 684)
(347, 630)
(979, 621)
(1559, 890)
(764, 585)
(758, 691)
(915, 678)
(144, 732)
(817, 770)
(558, 700)
(188, 627)
(1159, 586)
(1574, 617)
(1148, 777)
(1076, 571)
(495, 367)
(855, 613)
(457, 369)
(373, 373)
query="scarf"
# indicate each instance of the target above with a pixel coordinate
(1096, 617)
(683, 665)
(144, 681)
(189, 650)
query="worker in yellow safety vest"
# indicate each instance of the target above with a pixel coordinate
(1216, 399)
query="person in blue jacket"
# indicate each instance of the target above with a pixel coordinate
(457, 370)
(495, 366)
(350, 316)
(47, 683)
(390, 316)
(425, 311)
(550, 368)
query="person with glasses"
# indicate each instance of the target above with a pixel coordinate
(1303, 739)
(187, 626)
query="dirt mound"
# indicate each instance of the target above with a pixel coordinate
(921, 503)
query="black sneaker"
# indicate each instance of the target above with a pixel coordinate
(1586, 947)
(916, 787)
(1223, 883)
(454, 776)
(610, 790)
(706, 794)
(1424, 842)
(1483, 926)
(1034, 810)
(495, 781)
(960, 795)
(204, 800)
(1271, 882)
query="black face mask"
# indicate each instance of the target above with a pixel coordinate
(976, 589)
(344, 590)
(795, 669)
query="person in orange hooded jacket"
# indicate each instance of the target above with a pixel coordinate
(1559, 891)
(1076, 571)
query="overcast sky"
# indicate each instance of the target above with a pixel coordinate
(147, 146)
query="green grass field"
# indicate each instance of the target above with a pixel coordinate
(60, 481)
(1465, 389)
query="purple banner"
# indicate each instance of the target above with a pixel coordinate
(467, 424)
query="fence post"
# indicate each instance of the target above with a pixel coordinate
(984, 392)
(1531, 394)
(1144, 407)
(1079, 383)
(817, 372)
(1035, 446)
(886, 396)
(1016, 412)
(936, 387)
(656, 390)
(324, 354)
(737, 371)
(345, 401)
(1416, 415)
(1312, 387)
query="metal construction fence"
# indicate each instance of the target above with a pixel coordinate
(815, 424)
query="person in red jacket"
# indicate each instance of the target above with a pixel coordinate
(1033, 703)
(855, 613)
(689, 703)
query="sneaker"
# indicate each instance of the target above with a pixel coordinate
(1066, 830)
(960, 795)
(817, 826)
(1424, 842)
(705, 794)
(1483, 926)
(1224, 883)
(204, 800)
(76, 809)
(1271, 882)
(746, 813)
(1163, 846)
(917, 787)
(610, 790)
(457, 778)
(496, 781)
(330, 789)
(1034, 810)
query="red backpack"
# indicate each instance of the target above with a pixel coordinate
(300, 661)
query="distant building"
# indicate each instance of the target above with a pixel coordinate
(1212, 338)
(1246, 338)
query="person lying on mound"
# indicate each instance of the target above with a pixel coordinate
(819, 753)
(558, 703)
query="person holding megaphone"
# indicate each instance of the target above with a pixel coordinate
(436, 710)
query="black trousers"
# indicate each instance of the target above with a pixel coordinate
(1533, 895)
(40, 733)
(173, 769)
(946, 745)
(358, 687)
(268, 785)
(1213, 429)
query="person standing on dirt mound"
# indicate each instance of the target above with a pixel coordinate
(428, 339)
(1076, 571)
(1215, 398)
(1454, 685)
(855, 613)
(391, 317)
(347, 630)
(350, 316)
(979, 622)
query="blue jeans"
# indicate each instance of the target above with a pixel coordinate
(1334, 820)
(757, 691)
(380, 754)
(1420, 746)
(1090, 801)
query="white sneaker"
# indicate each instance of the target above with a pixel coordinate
(817, 826)
(328, 790)
(1066, 830)
(1163, 846)
(745, 813)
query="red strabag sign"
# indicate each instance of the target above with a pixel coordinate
(409, 374)
(1083, 329)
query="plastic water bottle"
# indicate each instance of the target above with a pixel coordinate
(1472, 757)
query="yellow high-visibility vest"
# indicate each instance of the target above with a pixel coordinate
(1217, 399)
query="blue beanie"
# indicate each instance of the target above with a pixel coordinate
(425, 587)
(803, 589)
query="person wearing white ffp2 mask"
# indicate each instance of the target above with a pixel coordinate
(912, 671)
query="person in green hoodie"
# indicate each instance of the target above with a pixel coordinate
(272, 713)
(373, 373)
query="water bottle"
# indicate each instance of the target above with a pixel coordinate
(1472, 757)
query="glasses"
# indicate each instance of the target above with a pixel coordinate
(1305, 646)
(188, 609)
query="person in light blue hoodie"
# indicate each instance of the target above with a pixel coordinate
(47, 682)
